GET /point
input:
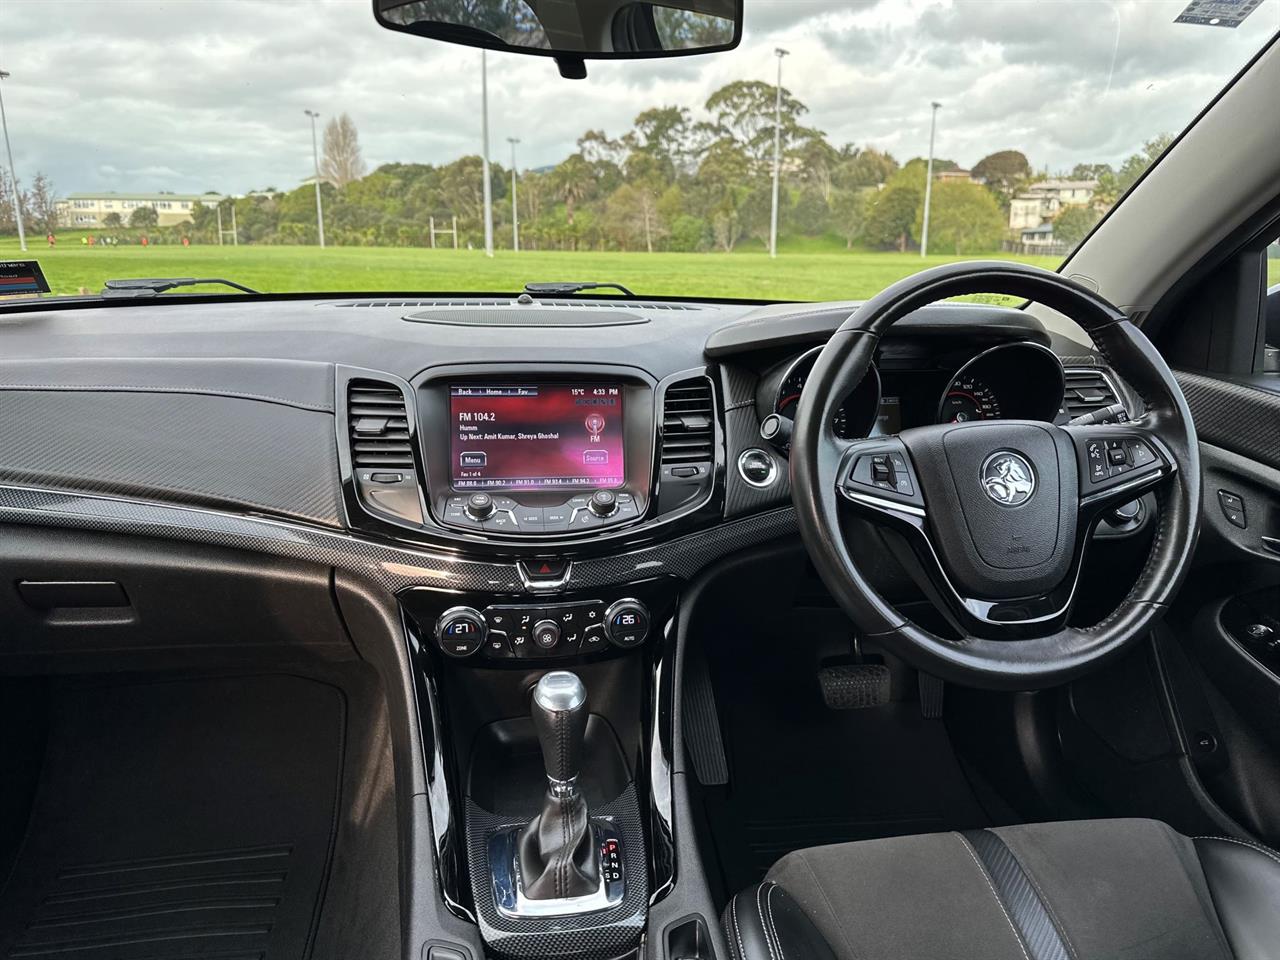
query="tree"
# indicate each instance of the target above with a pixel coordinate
(1090, 171)
(891, 215)
(1003, 172)
(849, 212)
(863, 167)
(744, 111)
(963, 218)
(341, 162)
(112, 221)
(41, 204)
(144, 216)
(572, 181)
(1074, 224)
(1112, 186)
(8, 225)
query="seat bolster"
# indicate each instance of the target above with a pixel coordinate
(765, 923)
(1244, 880)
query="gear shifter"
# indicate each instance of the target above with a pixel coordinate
(558, 854)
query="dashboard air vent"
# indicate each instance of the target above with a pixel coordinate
(378, 426)
(1088, 389)
(688, 422)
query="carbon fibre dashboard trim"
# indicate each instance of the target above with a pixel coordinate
(390, 565)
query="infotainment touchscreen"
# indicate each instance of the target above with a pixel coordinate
(536, 437)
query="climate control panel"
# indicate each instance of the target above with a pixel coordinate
(522, 631)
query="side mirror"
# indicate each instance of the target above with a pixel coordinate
(572, 31)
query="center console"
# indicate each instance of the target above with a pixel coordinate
(543, 493)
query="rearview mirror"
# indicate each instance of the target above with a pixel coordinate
(572, 30)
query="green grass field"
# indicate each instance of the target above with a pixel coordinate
(795, 275)
(806, 272)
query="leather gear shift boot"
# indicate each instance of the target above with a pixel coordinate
(558, 856)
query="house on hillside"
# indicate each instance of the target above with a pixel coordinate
(1043, 201)
(1041, 236)
(948, 176)
(92, 209)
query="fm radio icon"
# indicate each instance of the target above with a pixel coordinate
(595, 423)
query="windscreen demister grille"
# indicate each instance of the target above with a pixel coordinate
(527, 317)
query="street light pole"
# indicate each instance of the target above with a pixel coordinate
(315, 156)
(928, 183)
(13, 174)
(484, 123)
(777, 155)
(515, 213)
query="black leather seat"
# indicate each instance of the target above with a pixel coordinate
(1115, 889)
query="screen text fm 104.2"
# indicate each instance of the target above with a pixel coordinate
(536, 437)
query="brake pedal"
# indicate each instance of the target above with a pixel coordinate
(855, 686)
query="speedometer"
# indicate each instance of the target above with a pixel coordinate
(969, 398)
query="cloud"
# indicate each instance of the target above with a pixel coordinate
(190, 95)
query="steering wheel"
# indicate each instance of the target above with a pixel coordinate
(992, 518)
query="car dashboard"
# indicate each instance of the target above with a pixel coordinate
(526, 483)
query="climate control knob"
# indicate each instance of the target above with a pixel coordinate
(460, 631)
(626, 623)
(603, 503)
(480, 506)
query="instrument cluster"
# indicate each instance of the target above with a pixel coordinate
(1015, 381)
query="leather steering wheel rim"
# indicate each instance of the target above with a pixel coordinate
(818, 458)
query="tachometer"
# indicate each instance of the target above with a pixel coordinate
(789, 397)
(969, 398)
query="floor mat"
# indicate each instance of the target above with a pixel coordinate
(179, 819)
(803, 775)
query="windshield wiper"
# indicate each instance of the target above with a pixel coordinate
(567, 288)
(154, 286)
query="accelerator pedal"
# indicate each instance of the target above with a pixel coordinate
(702, 723)
(854, 686)
(932, 697)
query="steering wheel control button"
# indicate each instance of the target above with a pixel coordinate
(626, 623)
(461, 631)
(757, 467)
(1096, 454)
(480, 506)
(1233, 509)
(603, 503)
(546, 634)
(1140, 455)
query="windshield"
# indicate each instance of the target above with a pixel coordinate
(292, 145)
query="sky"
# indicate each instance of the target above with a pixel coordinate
(196, 95)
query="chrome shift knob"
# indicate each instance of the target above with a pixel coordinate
(560, 718)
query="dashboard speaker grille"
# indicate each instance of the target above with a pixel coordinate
(1087, 390)
(378, 426)
(688, 422)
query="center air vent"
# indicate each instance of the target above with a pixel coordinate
(1087, 390)
(688, 422)
(379, 426)
(381, 444)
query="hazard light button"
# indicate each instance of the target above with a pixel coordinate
(544, 571)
